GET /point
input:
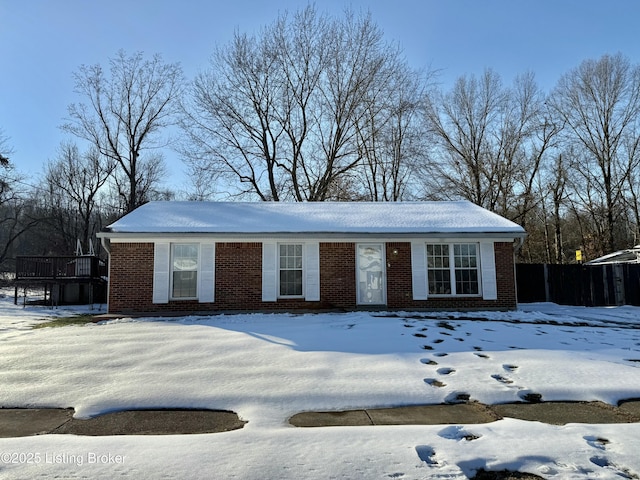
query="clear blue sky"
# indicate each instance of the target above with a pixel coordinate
(42, 42)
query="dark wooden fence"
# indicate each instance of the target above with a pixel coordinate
(588, 285)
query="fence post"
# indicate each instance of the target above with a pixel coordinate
(588, 289)
(618, 284)
(547, 289)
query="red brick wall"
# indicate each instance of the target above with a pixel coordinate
(338, 275)
(130, 277)
(238, 276)
(506, 275)
(239, 280)
(399, 283)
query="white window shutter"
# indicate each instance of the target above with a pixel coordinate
(419, 271)
(161, 272)
(312, 271)
(207, 273)
(269, 272)
(488, 266)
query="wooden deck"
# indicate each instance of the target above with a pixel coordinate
(44, 268)
(59, 274)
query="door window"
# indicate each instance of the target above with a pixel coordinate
(371, 274)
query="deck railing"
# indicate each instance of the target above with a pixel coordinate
(57, 268)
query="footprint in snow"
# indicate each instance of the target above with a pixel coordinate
(445, 371)
(440, 354)
(482, 355)
(434, 382)
(457, 432)
(457, 397)
(426, 454)
(600, 461)
(530, 397)
(621, 472)
(510, 368)
(597, 442)
(446, 326)
(420, 335)
(501, 379)
(428, 361)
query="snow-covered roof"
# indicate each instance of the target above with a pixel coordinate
(319, 218)
(630, 255)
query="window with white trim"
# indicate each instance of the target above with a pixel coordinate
(184, 270)
(290, 266)
(453, 269)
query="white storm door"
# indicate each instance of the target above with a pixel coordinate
(370, 272)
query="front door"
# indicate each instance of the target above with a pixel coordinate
(370, 272)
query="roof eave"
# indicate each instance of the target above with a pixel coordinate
(515, 234)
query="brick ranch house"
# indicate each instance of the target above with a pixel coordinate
(170, 257)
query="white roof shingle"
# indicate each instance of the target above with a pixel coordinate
(313, 217)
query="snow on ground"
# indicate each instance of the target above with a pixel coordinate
(268, 367)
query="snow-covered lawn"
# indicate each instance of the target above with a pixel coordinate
(269, 367)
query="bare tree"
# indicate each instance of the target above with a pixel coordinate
(5, 165)
(359, 72)
(15, 218)
(519, 147)
(392, 139)
(147, 177)
(76, 179)
(552, 194)
(231, 122)
(489, 142)
(278, 113)
(600, 102)
(5, 150)
(632, 199)
(125, 115)
(461, 123)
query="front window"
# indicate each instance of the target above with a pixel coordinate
(453, 269)
(184, 271)
(290, 265)
(465, 258)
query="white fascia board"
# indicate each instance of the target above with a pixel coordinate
(444, 237)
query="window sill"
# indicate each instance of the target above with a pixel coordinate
(449, 295)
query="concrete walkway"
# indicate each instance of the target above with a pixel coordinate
(20, 422)
(555, 413)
